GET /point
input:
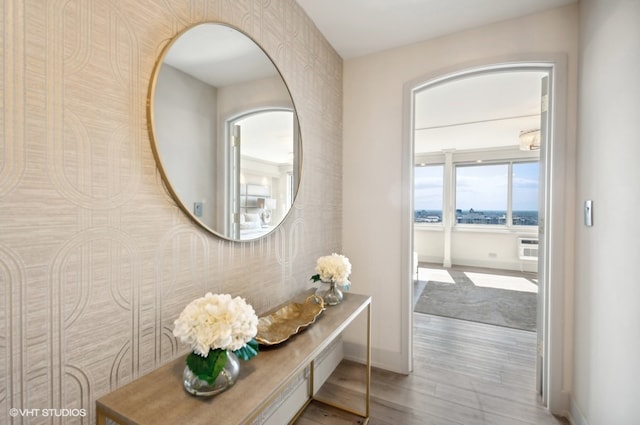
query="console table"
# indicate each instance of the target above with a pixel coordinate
(159, 397)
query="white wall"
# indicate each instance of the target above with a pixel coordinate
(476, 247)
(241, 98)
(184, 112)
(607, 293)
(373, 133)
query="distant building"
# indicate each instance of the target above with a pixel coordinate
(519, 218)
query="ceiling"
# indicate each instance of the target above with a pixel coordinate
(476, 112)
(267, 136)
(219, 56)
(455, 115)
(360, 27)
(471, 113)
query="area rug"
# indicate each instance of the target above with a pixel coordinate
(464, 300)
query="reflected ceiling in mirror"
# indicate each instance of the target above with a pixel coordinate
(224, 132)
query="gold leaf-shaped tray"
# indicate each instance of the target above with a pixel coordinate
(288, 321)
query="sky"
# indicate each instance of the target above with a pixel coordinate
(482, 187)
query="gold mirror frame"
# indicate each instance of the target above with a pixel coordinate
(227, 200)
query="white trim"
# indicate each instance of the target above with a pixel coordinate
(556, 340)
(575, 414)
(496, 228)
(383, 359)
(406, 237)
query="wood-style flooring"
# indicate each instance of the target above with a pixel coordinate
(465, 373)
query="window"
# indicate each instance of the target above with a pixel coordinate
(482, 194)
(524, 201)
(428, 193)
(497, 194)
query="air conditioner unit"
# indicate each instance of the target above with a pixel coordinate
(528, 249)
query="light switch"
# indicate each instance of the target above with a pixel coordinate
(197, 209)
(588, 213)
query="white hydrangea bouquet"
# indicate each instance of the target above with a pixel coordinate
(212, 325)
(334, 268)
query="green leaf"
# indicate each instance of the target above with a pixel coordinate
(207, 368)
(248, 351)
(218, 365)
(315, 277)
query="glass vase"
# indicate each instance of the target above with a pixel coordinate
(224, 381)
(333, 296)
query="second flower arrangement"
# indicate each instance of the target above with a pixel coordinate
(333, 270)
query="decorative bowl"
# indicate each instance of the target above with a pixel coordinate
(288, 320)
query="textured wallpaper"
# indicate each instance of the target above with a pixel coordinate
(96, 260)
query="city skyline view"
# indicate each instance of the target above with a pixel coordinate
(489, 217)
(480, 189)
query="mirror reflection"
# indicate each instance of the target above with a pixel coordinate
(225, 132)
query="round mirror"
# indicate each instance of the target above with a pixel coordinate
(224, 132)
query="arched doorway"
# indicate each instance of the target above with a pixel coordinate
(551, 229)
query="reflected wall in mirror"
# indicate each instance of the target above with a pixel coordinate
(224, 132)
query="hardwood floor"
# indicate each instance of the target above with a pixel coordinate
(465, 373)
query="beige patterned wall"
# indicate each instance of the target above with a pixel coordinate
(96, 260)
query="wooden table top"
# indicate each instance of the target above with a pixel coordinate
(159, 396)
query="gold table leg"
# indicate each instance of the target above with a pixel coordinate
(366, 413)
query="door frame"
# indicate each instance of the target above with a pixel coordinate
(557, 343)
(232, 156)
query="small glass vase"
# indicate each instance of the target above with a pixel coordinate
(224, 381)
(333, 296)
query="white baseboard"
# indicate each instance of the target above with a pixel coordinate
(575, 415)
(382, 359)
(516, 265)
(428, 259)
